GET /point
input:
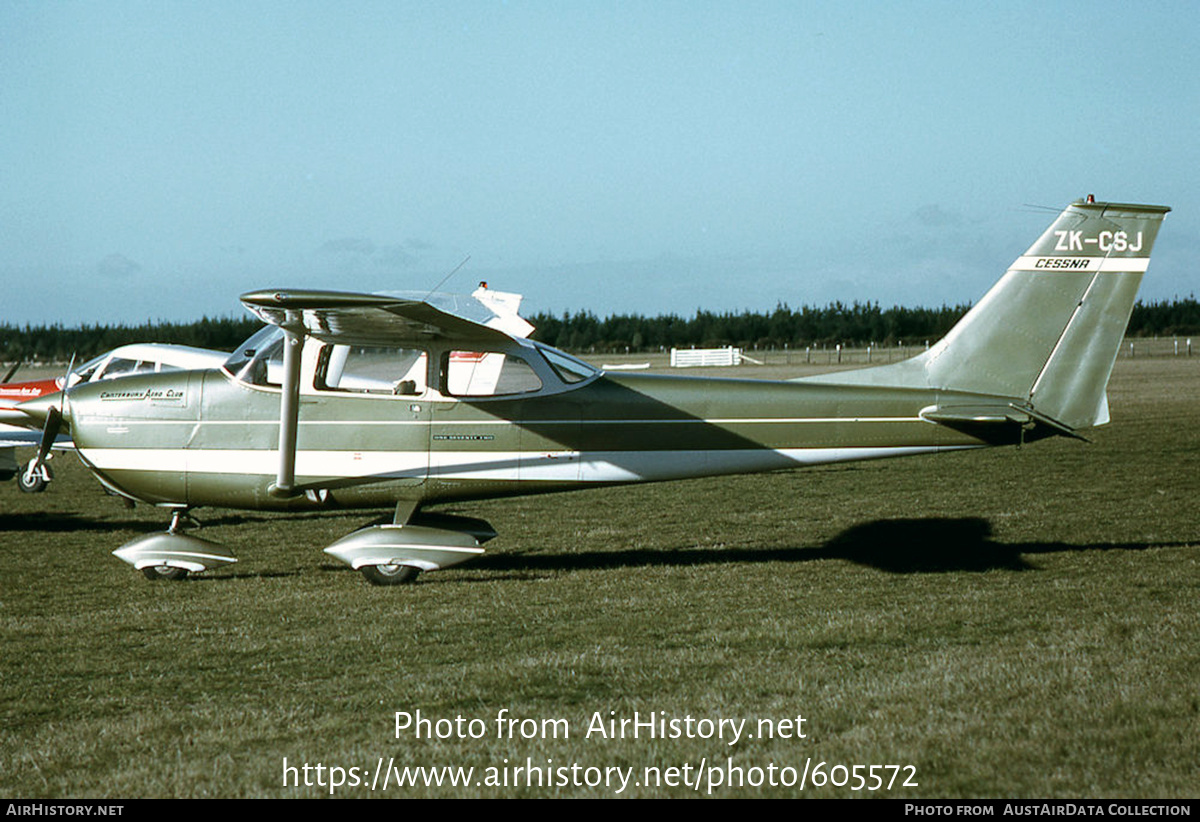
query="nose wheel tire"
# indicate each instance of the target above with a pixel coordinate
(34, 482)
(390, 574)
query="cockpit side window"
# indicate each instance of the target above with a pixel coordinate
(120, 367)
(363, 369)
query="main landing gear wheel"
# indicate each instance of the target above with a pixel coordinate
(389, 574)
(164, 572)
(34, 482)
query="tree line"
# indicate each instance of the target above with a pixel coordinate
(56, 343)
(857, 324)
(795, 328)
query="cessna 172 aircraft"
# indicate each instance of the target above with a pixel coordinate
(370, 400)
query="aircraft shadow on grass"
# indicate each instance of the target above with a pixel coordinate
(66, 523)
(899, 546)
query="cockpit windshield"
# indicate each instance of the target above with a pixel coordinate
(84, 372)
(259, 360)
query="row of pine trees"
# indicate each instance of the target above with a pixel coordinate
(858, 324)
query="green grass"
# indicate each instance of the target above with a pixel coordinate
(1013, 623)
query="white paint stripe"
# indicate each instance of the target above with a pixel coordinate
(477, 423)
(1081, 263)
(1126, 264)
(601, 466)
(250, 461)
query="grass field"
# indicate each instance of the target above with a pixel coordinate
(1011, 623)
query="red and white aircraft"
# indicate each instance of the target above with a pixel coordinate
(139, 358)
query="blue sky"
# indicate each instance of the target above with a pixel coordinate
(161, 158)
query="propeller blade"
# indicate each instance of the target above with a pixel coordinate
(11, 371)
(53, 424)
(67, 376)
(49, 434)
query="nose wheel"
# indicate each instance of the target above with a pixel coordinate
(33, 479)
(173, 555)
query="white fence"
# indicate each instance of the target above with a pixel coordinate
(689, 357)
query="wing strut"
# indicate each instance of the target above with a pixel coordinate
(289, 415)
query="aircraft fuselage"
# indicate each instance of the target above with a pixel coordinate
(204, 438)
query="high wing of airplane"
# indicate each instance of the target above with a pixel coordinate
(372, 400)
(138, 358)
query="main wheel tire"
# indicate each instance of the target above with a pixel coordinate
(164, 572)
(38, 482)
(390, 574)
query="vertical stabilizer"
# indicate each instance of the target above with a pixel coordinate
(1048, 332)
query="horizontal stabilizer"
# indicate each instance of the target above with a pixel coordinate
(981, 414)
(997, 414)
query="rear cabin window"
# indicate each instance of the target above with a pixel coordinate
(488, 374)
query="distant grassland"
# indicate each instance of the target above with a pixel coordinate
(1013, 623)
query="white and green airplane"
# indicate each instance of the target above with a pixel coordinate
(374, 400)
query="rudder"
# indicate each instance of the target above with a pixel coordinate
(1071, 386)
